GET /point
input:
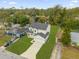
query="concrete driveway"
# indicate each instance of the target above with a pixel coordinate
(33, 50)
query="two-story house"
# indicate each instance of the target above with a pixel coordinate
(38, 31)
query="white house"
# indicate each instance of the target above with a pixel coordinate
(38, 31)
(74, 38)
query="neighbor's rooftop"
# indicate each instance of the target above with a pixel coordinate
(75, 37)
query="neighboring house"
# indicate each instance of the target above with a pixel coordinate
(74, 38)
(16, 30)
(39, 31)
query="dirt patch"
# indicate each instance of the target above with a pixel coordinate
(70, 53)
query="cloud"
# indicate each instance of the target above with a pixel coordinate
(74, 1)
(71, 4)
(12, 3)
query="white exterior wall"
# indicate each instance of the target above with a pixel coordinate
(43, 31)
(39, 39)
(30, 35)
(48, 28)
(39, 31)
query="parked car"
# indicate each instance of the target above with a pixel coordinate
(7, 44)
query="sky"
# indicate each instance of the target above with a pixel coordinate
(38, 3)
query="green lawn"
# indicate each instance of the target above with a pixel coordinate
(46, 50)
(20, 46)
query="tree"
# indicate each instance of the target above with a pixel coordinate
(51, 20)
(66, 40)
(23, 20)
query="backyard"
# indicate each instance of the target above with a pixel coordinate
(70, 53)
(45, 51)
(20, 46)
(3, 38)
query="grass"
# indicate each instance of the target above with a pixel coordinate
(46, 50)
(3, 38)
(70, 53)
(20, 46)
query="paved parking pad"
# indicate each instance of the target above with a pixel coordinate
(33, 50)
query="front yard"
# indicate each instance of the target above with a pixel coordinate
(46, 50)
(20, 46)
(70, 53)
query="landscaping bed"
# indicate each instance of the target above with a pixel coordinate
(46, 50)
(20, 46)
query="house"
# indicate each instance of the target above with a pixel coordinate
(74, 38)
(16, 30)
(38, 31)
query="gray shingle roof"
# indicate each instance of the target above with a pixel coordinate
(41, 26)
(16, 30)
(43, 35)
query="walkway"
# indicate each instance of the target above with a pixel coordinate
(33, 50)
